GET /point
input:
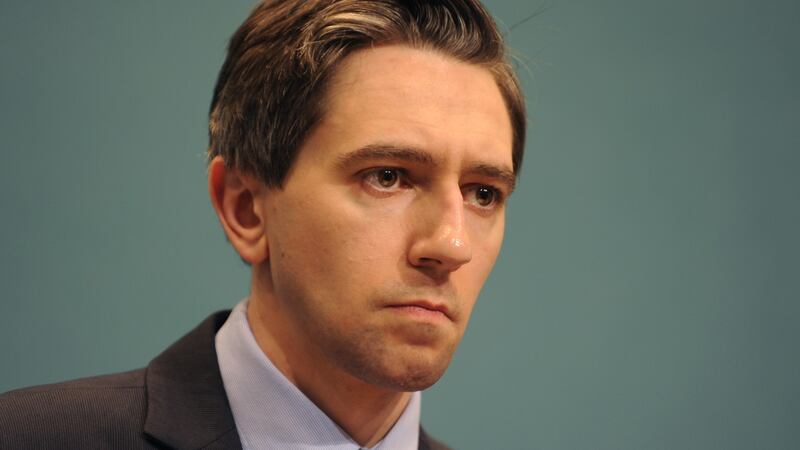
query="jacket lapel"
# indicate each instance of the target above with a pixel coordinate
(186, 403)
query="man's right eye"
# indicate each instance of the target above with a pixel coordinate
(384, 179)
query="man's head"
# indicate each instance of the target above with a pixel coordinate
(362, 172)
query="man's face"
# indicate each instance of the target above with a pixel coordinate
(392, 208)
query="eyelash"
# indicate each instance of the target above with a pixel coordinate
(373, 174)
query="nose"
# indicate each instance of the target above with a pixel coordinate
(440, 241)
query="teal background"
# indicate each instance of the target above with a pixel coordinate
(647, 294)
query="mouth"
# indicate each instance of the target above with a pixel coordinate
(424, 309)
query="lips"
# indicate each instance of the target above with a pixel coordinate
(426, 305)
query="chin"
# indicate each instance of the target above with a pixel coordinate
(415, 381)
(389, 363)
(408, 372)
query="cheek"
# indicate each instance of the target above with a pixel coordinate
(486, 238)
(486, 241)
(337, 247)
(360, 241)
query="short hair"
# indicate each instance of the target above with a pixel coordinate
(271, 89)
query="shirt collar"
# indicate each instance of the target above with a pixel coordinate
(271, 412)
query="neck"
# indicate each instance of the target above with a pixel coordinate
(366, 412)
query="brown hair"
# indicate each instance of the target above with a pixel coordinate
(270, 90)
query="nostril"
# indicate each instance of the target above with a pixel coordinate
(430, 261)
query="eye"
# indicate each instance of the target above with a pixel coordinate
(384, 179)
(387, 177)
(483, 196)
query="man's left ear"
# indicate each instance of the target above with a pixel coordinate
(234, 196)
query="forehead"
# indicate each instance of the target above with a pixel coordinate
(419, 98)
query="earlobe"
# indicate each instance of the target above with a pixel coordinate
(235, 198)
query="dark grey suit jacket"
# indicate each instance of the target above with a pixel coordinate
(176, 402)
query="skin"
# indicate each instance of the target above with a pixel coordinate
(385, 205)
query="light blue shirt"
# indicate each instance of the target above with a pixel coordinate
(272, 413)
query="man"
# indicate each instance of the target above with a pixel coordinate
(360, 156)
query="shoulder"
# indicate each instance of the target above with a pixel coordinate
(98, 412)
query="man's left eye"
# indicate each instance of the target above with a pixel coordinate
(483, 196)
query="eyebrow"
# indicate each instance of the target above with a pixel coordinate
(404, 153)
(500, 174)
(385, 151)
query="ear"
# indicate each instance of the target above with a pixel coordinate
(233, 195)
